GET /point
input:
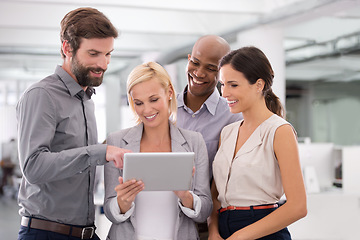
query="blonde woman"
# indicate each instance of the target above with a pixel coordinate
(257, 161)
(137, 214)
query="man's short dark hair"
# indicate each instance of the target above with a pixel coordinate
(85, 23)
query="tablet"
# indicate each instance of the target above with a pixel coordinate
(161, 171)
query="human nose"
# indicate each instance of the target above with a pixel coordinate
(199, 72)
(147, 108)
(103, 62)
(224, 91)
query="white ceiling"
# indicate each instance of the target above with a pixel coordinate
(321, 37)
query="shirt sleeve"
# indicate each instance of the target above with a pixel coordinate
(36, 113)
(111, 180)
(191, 213)
(115, 211)
(202, 181)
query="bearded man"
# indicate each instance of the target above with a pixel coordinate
(57, 134)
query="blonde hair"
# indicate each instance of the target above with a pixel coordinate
(146, 72)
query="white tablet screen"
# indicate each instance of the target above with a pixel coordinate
(163, 171)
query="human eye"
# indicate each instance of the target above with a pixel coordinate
(212, 68)
(154, 99)
(194, 62)
(232, 84)
(138, 103)
(93, 54)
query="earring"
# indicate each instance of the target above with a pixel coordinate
(170, 98)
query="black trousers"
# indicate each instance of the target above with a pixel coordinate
(232, 220)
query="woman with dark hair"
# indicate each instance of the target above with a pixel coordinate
(257, 161)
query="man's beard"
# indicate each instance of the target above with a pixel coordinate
(82, 74)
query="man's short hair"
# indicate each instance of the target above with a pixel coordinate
(85, 23)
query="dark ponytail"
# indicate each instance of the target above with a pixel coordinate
(253, 63)
(273, 103)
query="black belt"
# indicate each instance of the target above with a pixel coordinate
(80, 232)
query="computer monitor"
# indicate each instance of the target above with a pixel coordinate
(320, 157)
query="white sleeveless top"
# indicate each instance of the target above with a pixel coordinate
(253, 176)
(156, 213)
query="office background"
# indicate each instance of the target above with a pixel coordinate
(313, 46)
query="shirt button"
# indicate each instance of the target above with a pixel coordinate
(193, 115)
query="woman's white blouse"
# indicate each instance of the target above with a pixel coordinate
(253, 176)
(156, 214)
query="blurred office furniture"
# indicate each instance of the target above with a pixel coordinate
(319, 158)
(333, 211)
(10, 167)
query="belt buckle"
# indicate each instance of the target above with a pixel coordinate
(232, 208)
(85, 230)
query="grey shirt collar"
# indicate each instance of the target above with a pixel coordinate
(72, 86)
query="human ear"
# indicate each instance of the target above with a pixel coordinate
(66, 48)
(260, 83)
(170, 93)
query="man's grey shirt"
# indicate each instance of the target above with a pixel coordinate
(209, 120)
(58, 158)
